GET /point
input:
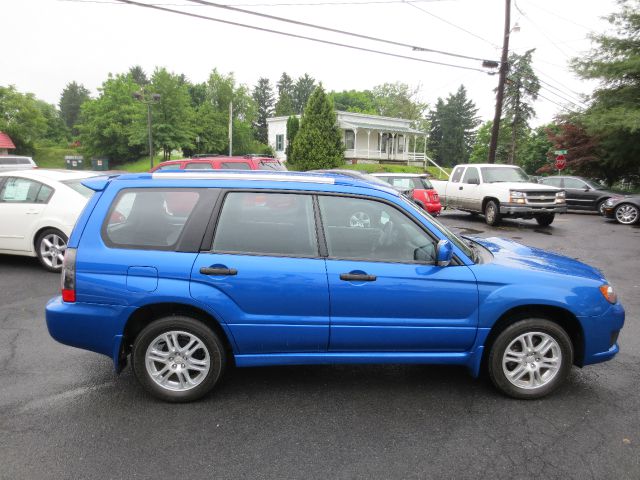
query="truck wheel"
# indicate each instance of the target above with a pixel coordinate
(492, 213)
(178, 359)
(545, 220)
(530, 358)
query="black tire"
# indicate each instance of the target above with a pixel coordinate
(187, 326)
(536, 327)
(50, 246)
(545, 220)
(600, 206)
(492, 213)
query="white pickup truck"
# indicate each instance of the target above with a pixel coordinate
(499, 191)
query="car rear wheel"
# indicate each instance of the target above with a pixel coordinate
(178, 359)
(50, 247)
(492, 213)
(627, 213)
(545, 220)
(530, 358)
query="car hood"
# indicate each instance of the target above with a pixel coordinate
(525, 186)
(511, 254)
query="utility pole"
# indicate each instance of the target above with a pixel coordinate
(504, 68)
(230, 129)
(148, 99)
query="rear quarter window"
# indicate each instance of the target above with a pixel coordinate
(149, 218)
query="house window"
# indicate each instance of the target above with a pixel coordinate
(279, 143)
(349, 139)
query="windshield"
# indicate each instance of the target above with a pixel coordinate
(502, 174)
(457, 241)
(271, 165)
(78, 187)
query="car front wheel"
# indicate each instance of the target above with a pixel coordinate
(545, 220)
(50, 247)
(627, 213)
(178, 359)
(530, 358)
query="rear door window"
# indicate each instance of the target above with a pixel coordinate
(24, 190)
(198, 166)
(149, 218)
(235, 166)
(267, 224)
(457, 174)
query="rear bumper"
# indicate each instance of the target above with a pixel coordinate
(433, 208)
(529, 210)
(89, 326)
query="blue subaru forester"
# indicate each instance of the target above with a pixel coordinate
(184, 273)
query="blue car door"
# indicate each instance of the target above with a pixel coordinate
(263, 275)
(386, 292)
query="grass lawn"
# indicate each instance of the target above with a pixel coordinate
(380, 168)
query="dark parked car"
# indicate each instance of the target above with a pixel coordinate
(625, 210)
(582, 193)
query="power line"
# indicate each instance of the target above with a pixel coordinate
(559, 16)
(412, 4)
(565, 91)
(303, 37)
(280, 4)
(332, 30)
(549, 87)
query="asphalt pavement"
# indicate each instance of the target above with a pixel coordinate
(64, 414)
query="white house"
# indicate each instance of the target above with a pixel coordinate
(367, 138)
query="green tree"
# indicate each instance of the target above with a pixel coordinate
(354, 101)
(138, 75)
(613, 118)
(56, 131)
(111, 125)
(318, 143)
(480, 150)
(212, 117)
(71, 99)
(22, 118)
(302, 90)
(284, 105)
(263, 97)
(398, 100)
(521, 90)
(453, 125)
(535, 150)
(293, 125)
(173, 116)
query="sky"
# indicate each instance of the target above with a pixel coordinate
(49, 43)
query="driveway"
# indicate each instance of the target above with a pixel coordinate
(65, 414)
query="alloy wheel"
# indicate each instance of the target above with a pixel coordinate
(532, 360)
(52, 248)
(177, 361)
(627, 214)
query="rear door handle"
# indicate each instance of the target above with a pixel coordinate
(218, 271)
(358, 277)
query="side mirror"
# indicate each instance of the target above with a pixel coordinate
(586, 189)
(444, 253)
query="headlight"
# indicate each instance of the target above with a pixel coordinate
(610, 201)
(561, 196)
(608, 293)
(517, 197)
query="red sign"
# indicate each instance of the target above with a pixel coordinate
(561, 162)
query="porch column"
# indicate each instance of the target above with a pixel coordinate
(368, 143)
(394, 147)
(355, 143)
(414, 147)
(379, 145)
(405, 147)
(425, 153)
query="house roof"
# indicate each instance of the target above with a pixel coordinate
(5, 141)
(377, 126)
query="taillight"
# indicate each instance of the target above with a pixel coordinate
(68, 279)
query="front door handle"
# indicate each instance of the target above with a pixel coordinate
(357, 277)
(460, 187)
(218, 271)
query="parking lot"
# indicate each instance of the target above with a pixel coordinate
(65, 414)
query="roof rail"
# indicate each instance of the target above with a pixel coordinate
(241, 175)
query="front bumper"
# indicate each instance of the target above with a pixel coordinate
(609, 212)
(530, 210)
(601, 335)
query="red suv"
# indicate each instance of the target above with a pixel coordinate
(248, 162)
(422, 191)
